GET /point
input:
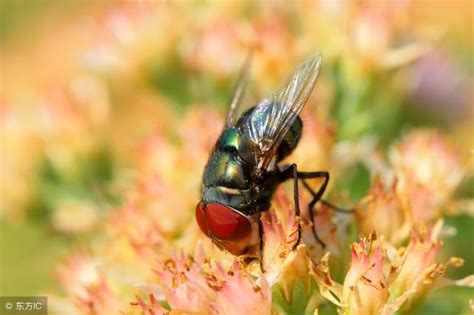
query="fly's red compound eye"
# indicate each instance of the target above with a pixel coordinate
(223, 222)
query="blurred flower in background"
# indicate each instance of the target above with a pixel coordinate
(428, 172)
(108, 121)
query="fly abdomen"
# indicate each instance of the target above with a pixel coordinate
(291, 139)
(258, 133)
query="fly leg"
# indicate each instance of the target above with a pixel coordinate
(292, 172)
(336, 208)
(316, 196)
(260, 239)
(324, 202)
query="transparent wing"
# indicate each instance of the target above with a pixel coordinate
(234, 111)
(273, 117)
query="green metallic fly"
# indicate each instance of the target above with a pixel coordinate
(243, 170)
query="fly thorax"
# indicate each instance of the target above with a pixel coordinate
(225, 167)
(247, 151)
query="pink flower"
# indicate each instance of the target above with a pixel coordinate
(183, 284)
(275, 46)
(254, 295)
(208, 288)
(372, 33)
(99, 300)
(142, 232)
(77, 273)
(283, 264)
(384, 212)
(280, 228)
(85, 283)
(151, 308)
(428, 171)
(365, 288)
(217, 48)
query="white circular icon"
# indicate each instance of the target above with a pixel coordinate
(8, 305)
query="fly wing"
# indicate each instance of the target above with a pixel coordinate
(273, 117)
(234, 111)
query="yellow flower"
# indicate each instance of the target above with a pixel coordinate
(416, 266)
(74, 216)
(380, 281)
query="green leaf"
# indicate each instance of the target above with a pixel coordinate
(299, 300)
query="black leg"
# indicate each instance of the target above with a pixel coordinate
(316, 197)
(336, 208)
(297, 203)
(285, 174)
(292, 172)
(324, 202)
(260, 238)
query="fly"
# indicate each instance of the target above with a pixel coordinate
(244, 168)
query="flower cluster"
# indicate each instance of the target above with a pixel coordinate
(382, 279)
(176, 267)
(422, 174)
